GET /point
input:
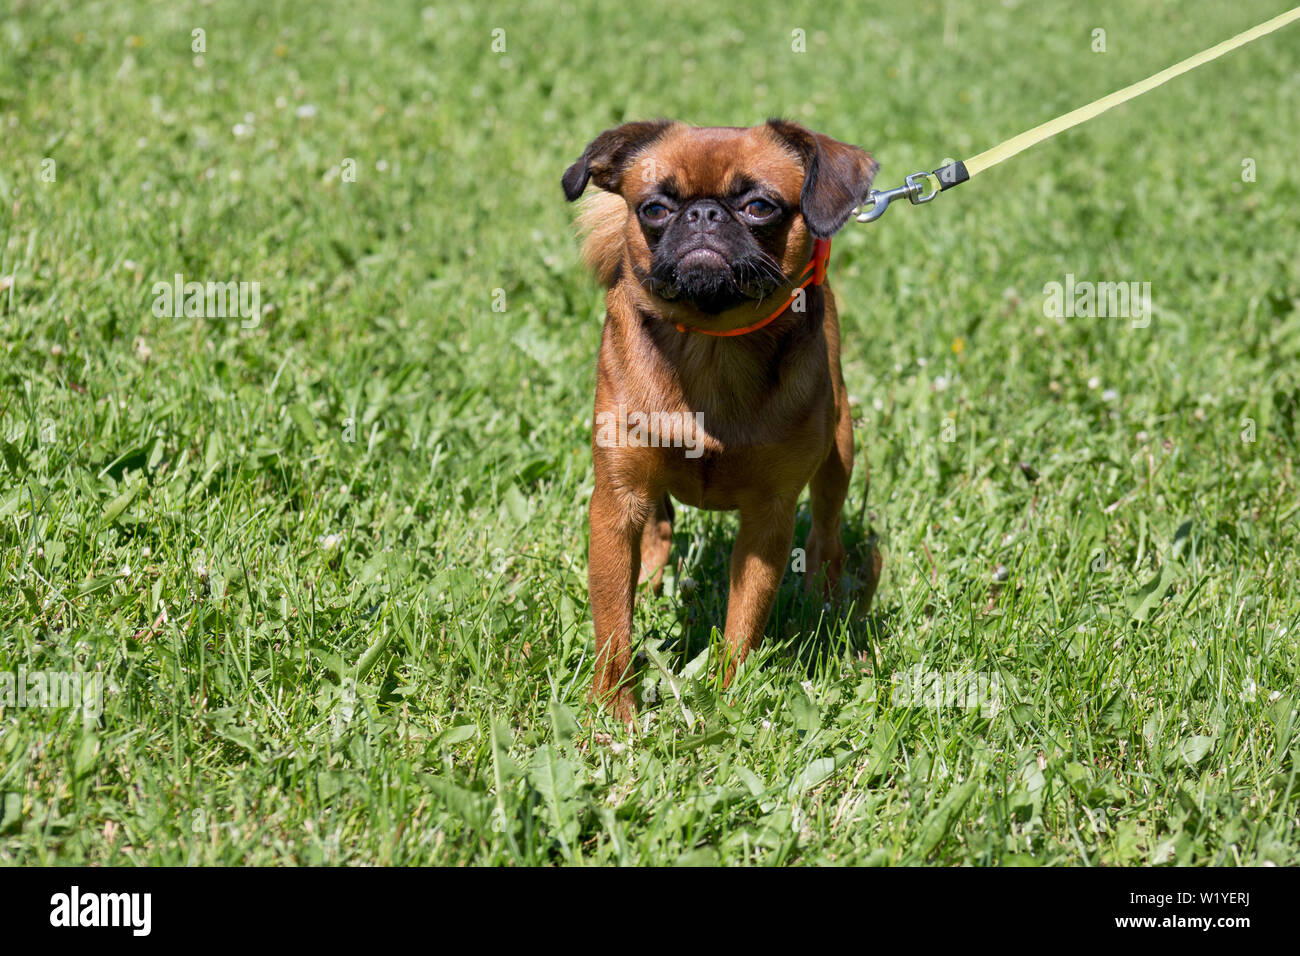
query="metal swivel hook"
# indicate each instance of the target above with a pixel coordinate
(879, 199)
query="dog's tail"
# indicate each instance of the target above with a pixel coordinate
(601, 219)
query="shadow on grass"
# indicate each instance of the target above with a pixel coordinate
(804, 627)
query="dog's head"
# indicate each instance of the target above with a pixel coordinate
(715, 218)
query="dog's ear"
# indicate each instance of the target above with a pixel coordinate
(837, 177)
(608, 155)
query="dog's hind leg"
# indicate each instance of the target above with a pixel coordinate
(758, 563)
(828, 489)
(656, 543)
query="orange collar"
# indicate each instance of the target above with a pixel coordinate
(817, 266)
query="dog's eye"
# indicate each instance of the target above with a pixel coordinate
(759, 209)
(654, 212)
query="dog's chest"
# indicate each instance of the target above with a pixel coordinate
(716, 424)
(717, 451)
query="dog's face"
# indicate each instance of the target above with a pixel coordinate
(719, 218)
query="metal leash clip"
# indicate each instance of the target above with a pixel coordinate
(878, 200)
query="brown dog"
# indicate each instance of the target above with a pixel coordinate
(708, 389)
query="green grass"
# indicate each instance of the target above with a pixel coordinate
(414, 690)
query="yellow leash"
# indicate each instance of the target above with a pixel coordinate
(956, 173)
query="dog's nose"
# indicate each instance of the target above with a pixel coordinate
(705, 215)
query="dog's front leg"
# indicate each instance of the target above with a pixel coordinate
(758, 563)
(613, 563)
